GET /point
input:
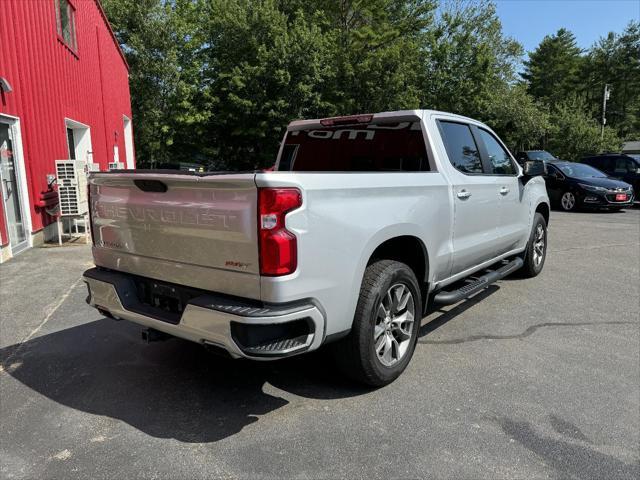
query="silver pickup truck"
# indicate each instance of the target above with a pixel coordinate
(362, 221)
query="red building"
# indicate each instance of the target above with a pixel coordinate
(64, 94)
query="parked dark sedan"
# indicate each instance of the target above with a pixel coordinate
(573, 185)
(618, 165)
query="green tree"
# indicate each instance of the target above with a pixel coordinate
(615, 60)
(470, 68)
(376, 52)
(466, 57)
(520, 120)
(216, 82)
(263, 69)
(552, 71)
(574, 133)
(160, 42)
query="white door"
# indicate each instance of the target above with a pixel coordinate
(78, 140)
(128, 143)
(10, 177)
(513, 225)
(475, 196)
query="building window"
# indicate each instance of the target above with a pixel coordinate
(66, 20)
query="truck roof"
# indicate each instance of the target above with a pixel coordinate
(397, 115)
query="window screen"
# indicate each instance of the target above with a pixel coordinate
(376, 147)
(461, 147)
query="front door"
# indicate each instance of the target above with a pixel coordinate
(10, 178)
(513, 224)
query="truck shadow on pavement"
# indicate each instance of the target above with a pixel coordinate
(172, 389)
(446, 316)
(175, 389)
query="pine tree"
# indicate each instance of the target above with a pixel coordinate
(552, 71)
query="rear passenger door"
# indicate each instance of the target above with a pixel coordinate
(513, 224)
(475, 197)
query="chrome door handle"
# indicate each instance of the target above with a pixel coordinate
(504, 191)
(463, 194)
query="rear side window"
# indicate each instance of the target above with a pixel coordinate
(499, 158)
(461, 147)
(375, 147)
(624, 165)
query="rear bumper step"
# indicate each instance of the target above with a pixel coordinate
(244, 328)
(454, 296)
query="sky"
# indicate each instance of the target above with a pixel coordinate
(528, 21)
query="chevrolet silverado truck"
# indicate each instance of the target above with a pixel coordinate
(363, 221)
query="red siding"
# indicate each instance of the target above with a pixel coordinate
(51, 83)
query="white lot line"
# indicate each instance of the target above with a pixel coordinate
(53, 310)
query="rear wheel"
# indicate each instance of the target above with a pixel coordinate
(385, 327)
(536, 252)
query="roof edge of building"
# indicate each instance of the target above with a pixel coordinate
(113, 35)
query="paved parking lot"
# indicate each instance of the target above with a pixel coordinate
(530, 379)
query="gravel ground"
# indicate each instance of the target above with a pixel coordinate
(529, 379)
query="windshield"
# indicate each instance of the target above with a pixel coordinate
(579, 170)
(540, 155)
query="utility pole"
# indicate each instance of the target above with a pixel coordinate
(605, 97)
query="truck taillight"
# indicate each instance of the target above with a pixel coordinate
(278, 246)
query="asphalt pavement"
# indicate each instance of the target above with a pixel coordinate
(535, 378)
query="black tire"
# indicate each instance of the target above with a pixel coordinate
(532, 267)
(356, 354)
(569, 205)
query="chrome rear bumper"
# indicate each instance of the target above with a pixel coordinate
(215, 320)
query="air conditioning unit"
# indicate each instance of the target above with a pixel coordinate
(93, 167)
(116, 166)
(72, 186)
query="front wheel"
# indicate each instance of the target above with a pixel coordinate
(568, 201)
(536, 252)
(385, 326)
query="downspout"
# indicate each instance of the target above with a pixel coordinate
(104, 113)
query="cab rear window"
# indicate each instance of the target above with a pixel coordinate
(374, 147)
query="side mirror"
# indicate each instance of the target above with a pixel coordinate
(534, 168)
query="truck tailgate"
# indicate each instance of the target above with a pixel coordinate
(199, 231)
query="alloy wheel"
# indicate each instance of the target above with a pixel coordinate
(394, 325)
(568, 201)
(538, 245)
